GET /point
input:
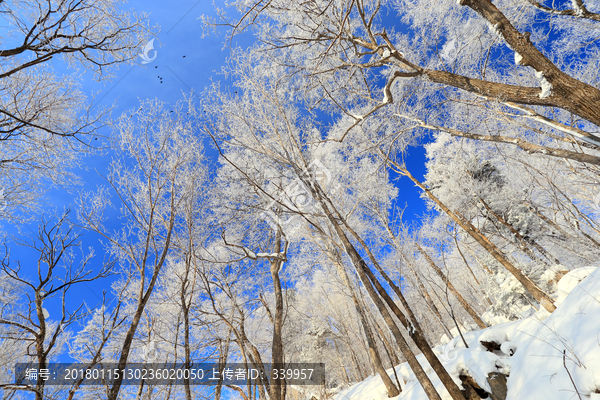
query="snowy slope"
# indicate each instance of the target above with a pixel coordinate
(541, 346)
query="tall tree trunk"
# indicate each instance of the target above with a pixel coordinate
(429, 301)
(368, 279)
(363, 269)
(392, 390)
(223, 356)
(530, 148)
(389, 351)
(523, 243)
(481, 264)
(113, 392)
(472, 273)
(337, 350)
(277, 385)
(40, 338)
(360, 374)
(143, 297)
(185, 307)
(545, 300)
(474, 315)
(412, 324)
(422, 289)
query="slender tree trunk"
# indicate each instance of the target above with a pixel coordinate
(223, 355)
(472, 273)
(389, 351)
(143, 298)
(39, 345)
(116, 387)
(278, 385)
(186, 331)
(361, 268)
(392, 390)
(424, 293)
(530, 148)
(481, 264)
(522, 241)
(337, 349)
(545, 300)
(474, 315)
(429, 301)
(368, 279)
(412, 325)
(394, 360)
(359, 373)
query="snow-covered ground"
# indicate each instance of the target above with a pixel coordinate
(543, 347)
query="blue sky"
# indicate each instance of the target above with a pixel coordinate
(184, 60)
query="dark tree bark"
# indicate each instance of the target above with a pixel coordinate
(278, 385)
(369, 282)
(392, 390)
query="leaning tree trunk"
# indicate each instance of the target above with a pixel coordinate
(422, 289)
(392, 390)
(545, 300)
(429, 301)
(412, 325)
(474, 315)
(567, 93)
(368, 279)
(360, 266)
(523, 242)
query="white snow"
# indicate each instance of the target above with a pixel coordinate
(386, 53)
(249, 253)
(268, 255)
(440, 141)
(386, 99)
(518, 58)
(509, 348)
(568, 282)
(495, 29)
(551, 273)
(546, 86)
(577, 8)
(538, 344)
(492, 319)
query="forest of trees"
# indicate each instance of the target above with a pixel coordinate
(259, 219)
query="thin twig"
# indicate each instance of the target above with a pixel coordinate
(570, 377)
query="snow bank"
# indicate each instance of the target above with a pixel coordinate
(568, 282)
(541, 346)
